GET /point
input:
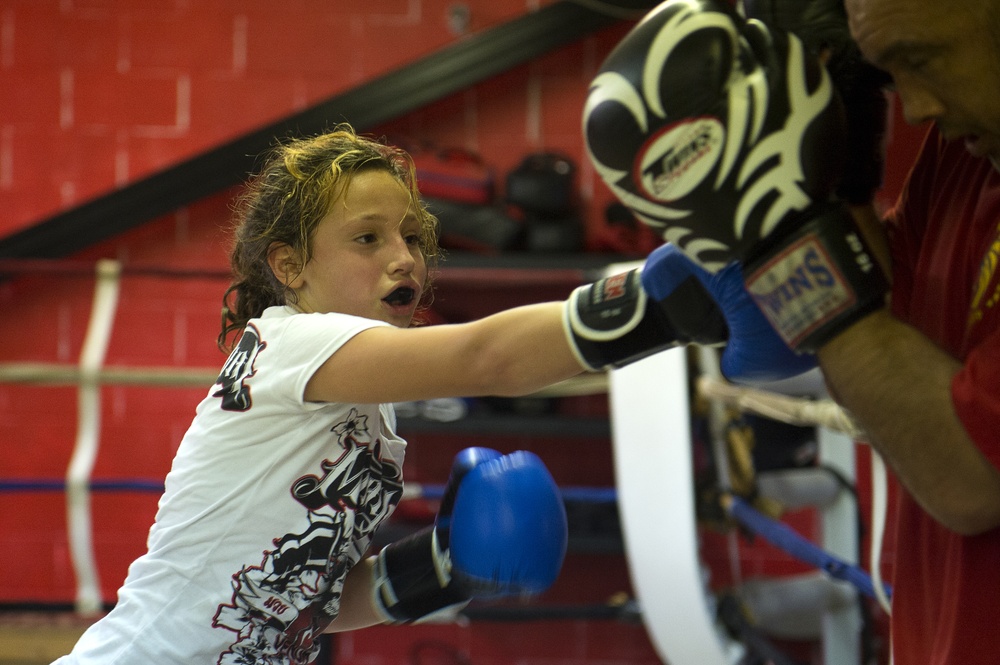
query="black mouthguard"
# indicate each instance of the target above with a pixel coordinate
(402, 296)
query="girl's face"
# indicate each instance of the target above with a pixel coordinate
(366, 257)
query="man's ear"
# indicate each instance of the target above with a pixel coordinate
(285, 263)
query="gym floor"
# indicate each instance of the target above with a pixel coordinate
(28, 638)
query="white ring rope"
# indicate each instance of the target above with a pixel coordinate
(95, 346)
(56, 374)
(791, 410)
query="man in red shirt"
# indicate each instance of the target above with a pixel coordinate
(922, 375)
(720, 133)
(925, 378)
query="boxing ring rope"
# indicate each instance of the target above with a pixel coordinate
(61, 374)
(650, 412)
(785, 538)
(653, 460)
(411, 490)
(90, 373)
(195, 377)
(821, 413)
(801, 411)
(670, 422)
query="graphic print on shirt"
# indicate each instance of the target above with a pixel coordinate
(987, 292)
(280, 607)
(238, 368)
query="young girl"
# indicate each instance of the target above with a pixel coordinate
(292, 460)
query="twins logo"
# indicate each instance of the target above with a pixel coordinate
(280, 607)
(800, 289)
(701, 132)
(238, 368)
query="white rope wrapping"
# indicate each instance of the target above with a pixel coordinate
(708, 361)
(792, 410)
(880, 500)
(95, 346)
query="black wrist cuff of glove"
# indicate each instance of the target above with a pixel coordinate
(819, 280)
(412, 580)
(614, 322)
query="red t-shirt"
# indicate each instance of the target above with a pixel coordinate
(945, 236)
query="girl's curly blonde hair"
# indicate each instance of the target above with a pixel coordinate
(284, 203)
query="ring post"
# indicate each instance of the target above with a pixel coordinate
(95, 346)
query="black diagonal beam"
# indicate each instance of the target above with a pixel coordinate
(447, 71)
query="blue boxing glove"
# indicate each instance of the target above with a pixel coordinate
(465, 461)
(674, 302)
(509, 531)
(754, 351)
(501, 531)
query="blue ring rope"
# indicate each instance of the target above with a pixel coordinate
(584, 494)
(96, 485)
(773, 531)
(787, 539)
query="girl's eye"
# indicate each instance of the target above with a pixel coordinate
(413, 239)
(366, 238)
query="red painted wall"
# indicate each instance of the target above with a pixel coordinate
(95, 94)
(99, 94)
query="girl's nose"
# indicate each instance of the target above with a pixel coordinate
(402, 259)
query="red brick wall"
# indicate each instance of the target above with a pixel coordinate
(99, 94)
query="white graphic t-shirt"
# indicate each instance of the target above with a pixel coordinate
(269, 503)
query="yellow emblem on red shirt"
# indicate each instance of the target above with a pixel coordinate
(984, 297)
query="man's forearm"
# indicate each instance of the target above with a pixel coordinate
(898, 385)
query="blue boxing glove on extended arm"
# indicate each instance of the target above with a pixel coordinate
(754, 351)
(501, 531)
(674, 302)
